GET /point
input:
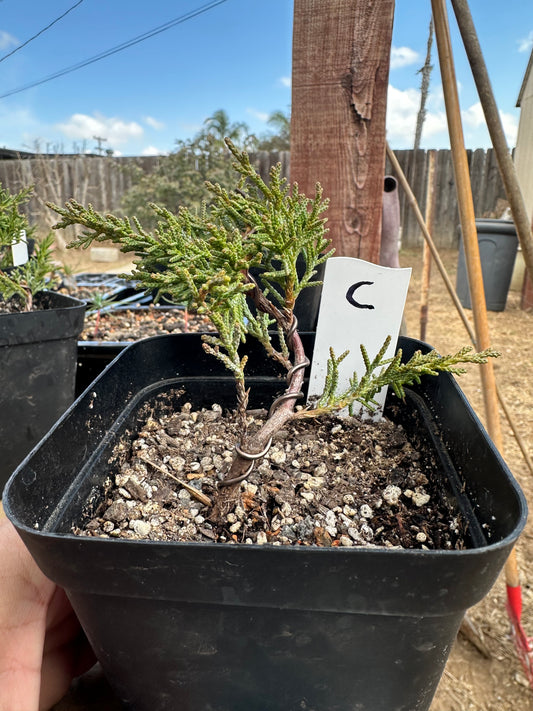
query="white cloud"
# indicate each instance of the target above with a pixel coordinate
(402, 57)
(473, 117)
(402, 111)
(402, 107)
(153, 151)
(510, 128)
(261, 115)
(285, 81)
(435, 124)
(114, 130)
(154, 123)
(7, 41)
(526, 43)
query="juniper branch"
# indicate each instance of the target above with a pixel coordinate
(381, 372)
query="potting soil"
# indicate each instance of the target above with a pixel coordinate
(327, 482)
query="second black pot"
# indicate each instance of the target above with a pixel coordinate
(38, 351)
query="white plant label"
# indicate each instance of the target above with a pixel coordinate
(19, 250)
(362, 303)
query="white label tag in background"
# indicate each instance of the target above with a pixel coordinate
(19, 250)
(362, 303)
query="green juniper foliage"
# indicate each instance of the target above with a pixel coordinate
(381, 372)
(205, 260)
(31, 277)
(12, 221)
(25, 280)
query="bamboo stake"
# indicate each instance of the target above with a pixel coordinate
(411, 199)
(466, 213)
(497, 135)
(426, 257)
(477, 294)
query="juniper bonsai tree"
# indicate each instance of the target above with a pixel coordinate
(206, 261)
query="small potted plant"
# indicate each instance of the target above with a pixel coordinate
(38, 334)
(217, 559)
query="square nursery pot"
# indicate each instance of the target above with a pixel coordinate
(207, 626)
(38, 352)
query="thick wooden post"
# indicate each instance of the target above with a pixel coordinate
(340, 70)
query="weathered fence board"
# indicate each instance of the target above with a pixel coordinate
(487, 191)
(102, 181)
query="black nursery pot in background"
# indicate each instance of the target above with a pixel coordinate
(95, 355)
(214, 627)
(498, 244)
(38, 351)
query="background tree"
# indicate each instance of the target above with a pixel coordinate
(425, 71)
(179, 178)
(220, 127)
(280, 138)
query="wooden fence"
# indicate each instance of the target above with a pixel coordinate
(487, 191)
(102, 181)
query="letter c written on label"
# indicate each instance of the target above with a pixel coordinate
(351, 291)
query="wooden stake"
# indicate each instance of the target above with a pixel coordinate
(426, 257)
(466, 214)
(339, 104)
(472, 634)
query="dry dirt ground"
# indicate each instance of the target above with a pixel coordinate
(472, 682)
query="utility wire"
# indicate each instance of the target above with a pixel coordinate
(114, 50)
(9, 54)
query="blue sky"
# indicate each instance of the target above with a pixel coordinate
(234, 55)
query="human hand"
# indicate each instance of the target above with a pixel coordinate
(42, 646)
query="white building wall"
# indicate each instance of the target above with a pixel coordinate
(524, 142)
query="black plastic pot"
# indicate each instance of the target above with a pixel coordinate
(214, 627)
(38, 351)
(94, 356)
(498, 244)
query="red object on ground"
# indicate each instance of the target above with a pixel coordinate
(522, 641)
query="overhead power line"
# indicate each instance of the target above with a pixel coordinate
(119, 48)
(51, 24)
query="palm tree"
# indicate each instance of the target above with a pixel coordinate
(220, 126)
(281, 122)
(280, 138)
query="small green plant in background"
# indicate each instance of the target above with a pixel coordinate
(205, 259)
(39, 272)
(100, 302)
(13, 223)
